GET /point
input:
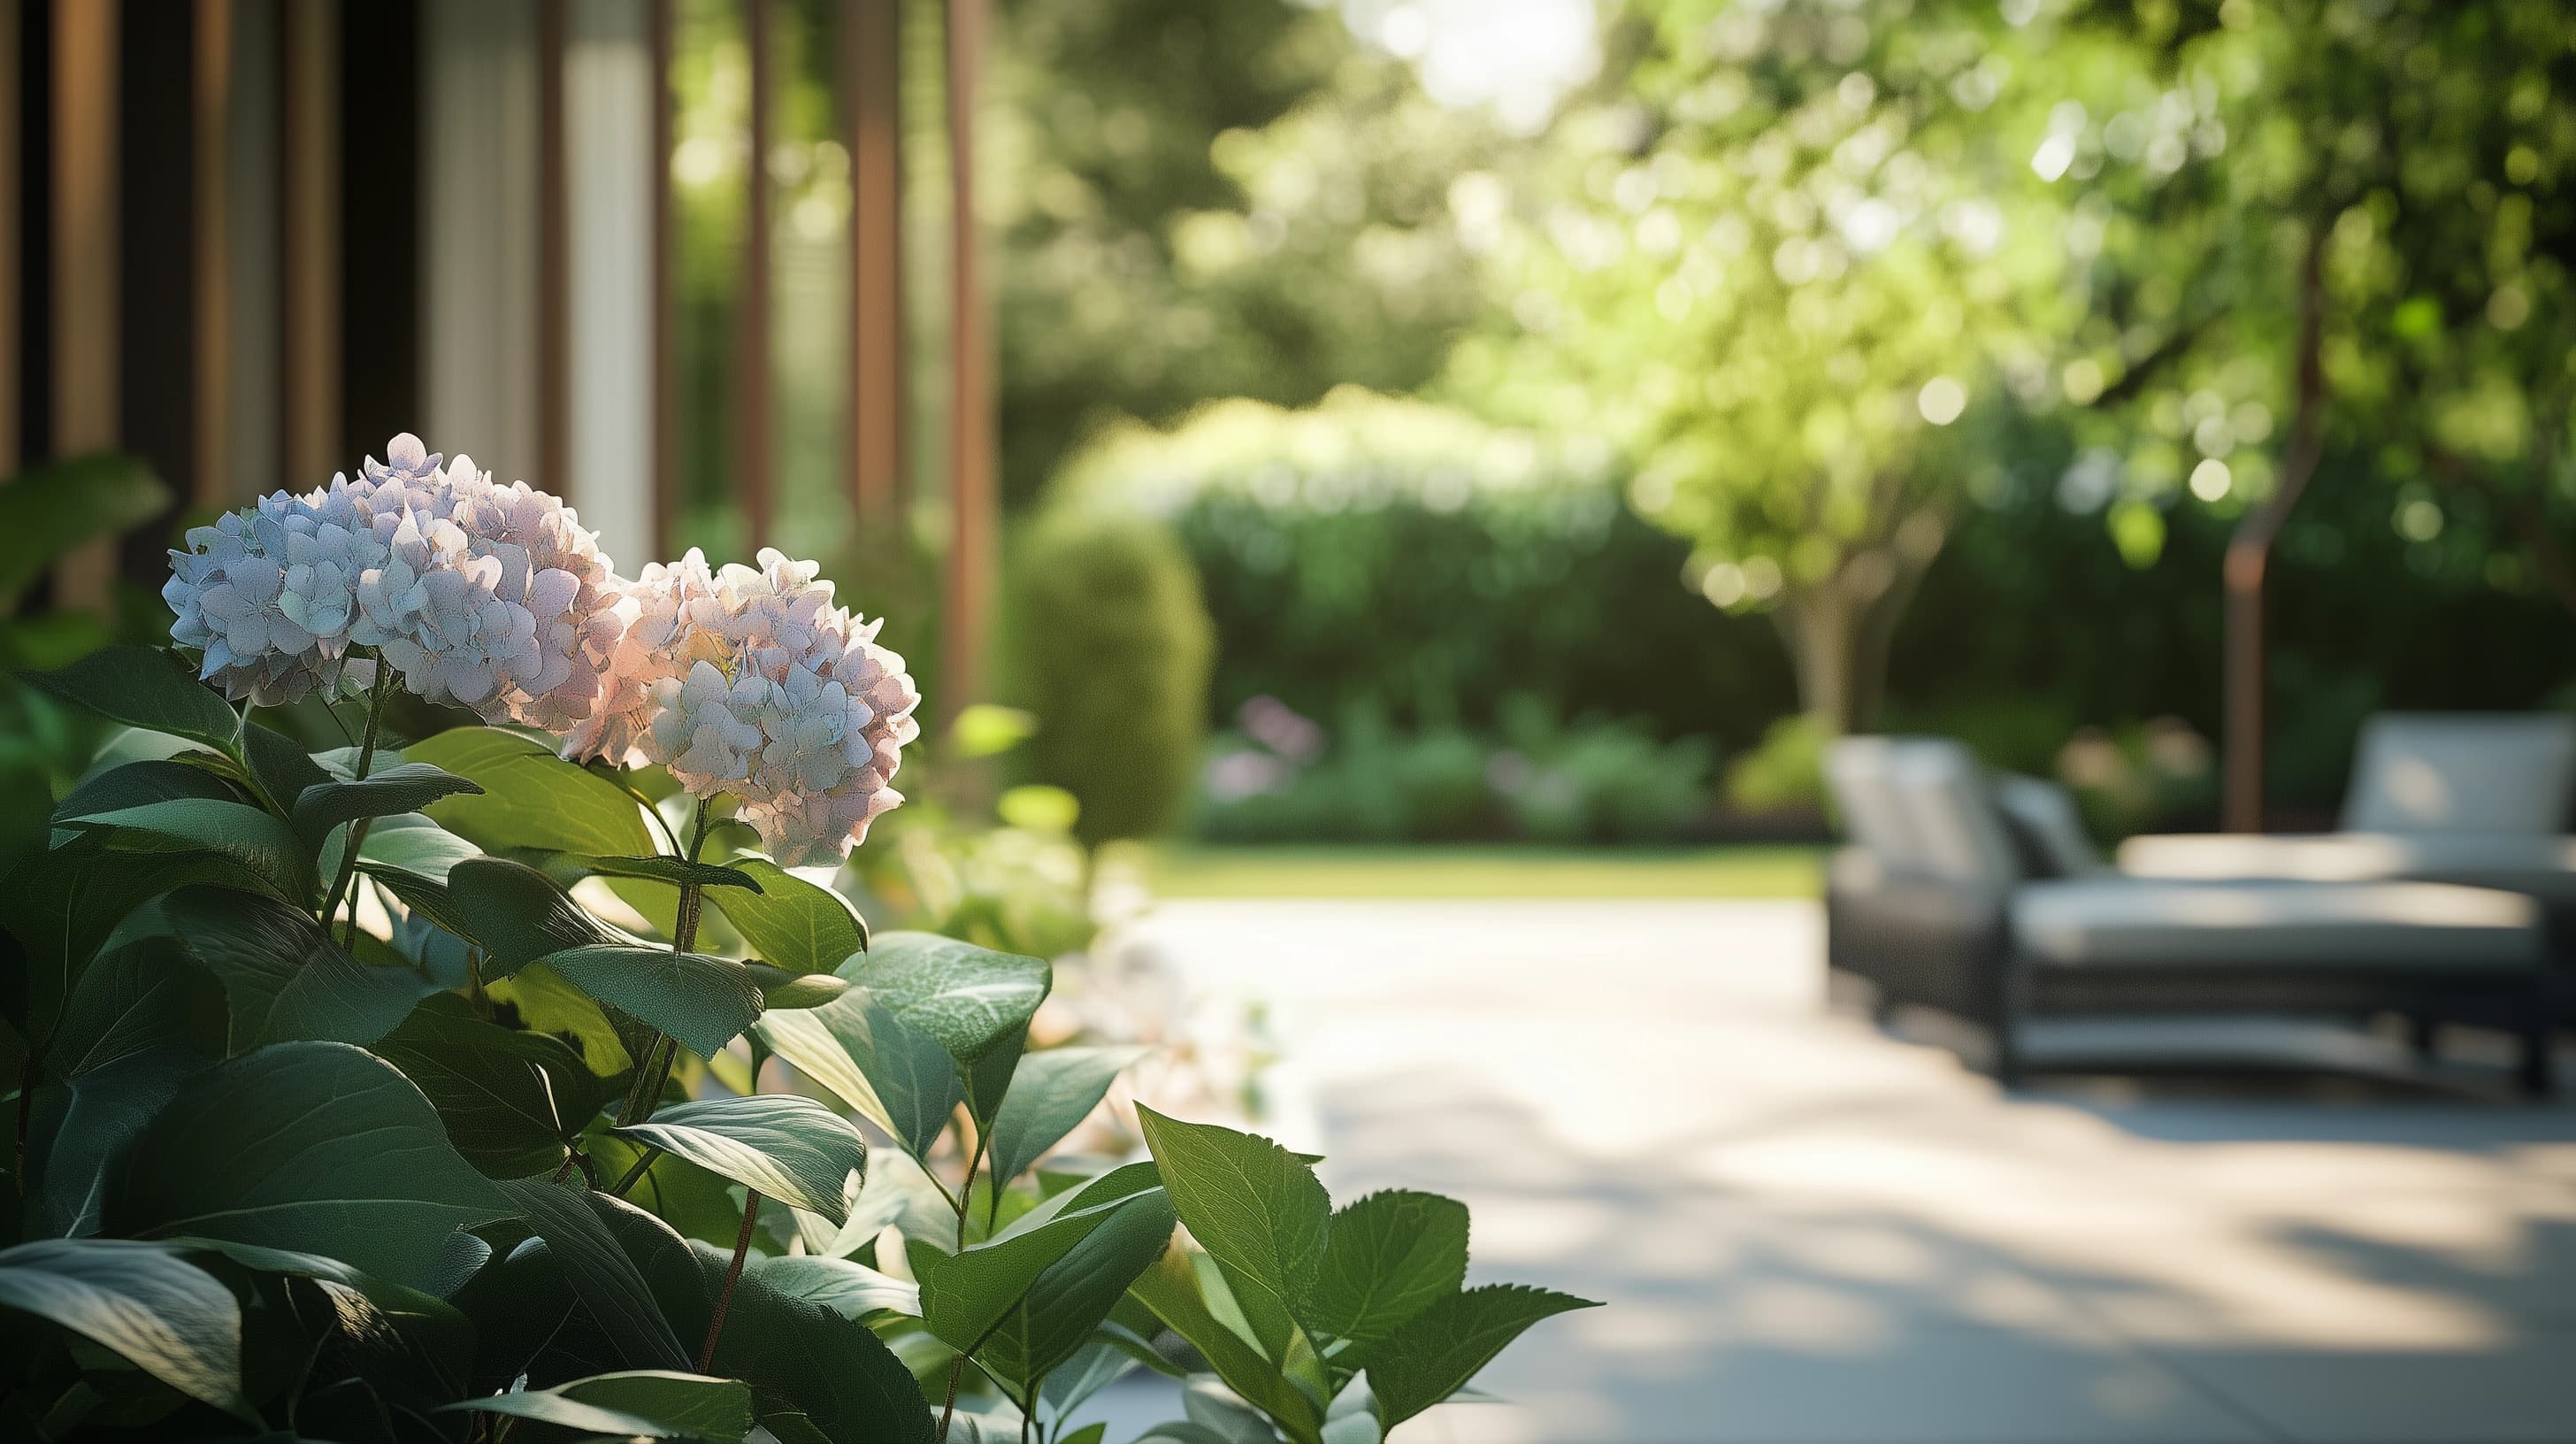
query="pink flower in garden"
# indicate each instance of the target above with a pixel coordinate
(749, 681)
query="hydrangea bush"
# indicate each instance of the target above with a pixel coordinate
(530, 1079)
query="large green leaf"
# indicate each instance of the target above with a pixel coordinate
(1051, 1093)
(1171, 1289)
(703, 1001)
(1436, 1352)
(602, 1273)
(647, 1403)
(1247, 1200)
(409, 844)
(136, 784)
(1071, 1299)
(515, 913)
(154, 1309)
(791, 923)
(284, 978)
(672, 870)
(510, 1099)
(538, 999)
(383, 1326)
(64, 903)
(51, 507)
(245, 834)
(530, 797)
(780, 988)
(970, 1000)
(846, 1287)
(312, 1146)
(802, 1358)
(404, 787)
(279, 767)
(79, 1129)
(967, 1294)
(894, 1076)
(146, 687)
(1390, 1256)
(146, 994)
(786, 1147)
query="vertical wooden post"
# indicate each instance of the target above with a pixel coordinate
(751, 360)
(871, 69)
(665, 384)
(973, 506)
(210, 287)
(11, 320)
(85, 263)
(309, 199)
(554, 285)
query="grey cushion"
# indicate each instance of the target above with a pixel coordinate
(2544, 867)
(2432, 772)
(2147, 922)
(2046, 822)
(1951, 805)
(1860, 773)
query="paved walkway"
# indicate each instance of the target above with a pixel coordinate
(1810, 1231)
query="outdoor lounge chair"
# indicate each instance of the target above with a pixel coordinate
(1985, 901)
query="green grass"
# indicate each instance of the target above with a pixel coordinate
(1177, 870)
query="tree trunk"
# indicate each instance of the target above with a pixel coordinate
(1822, 630)
(1839, 631)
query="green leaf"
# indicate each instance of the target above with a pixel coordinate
(312, 1146)
(651, 1403)
(146, 994)
(408, 843)
(1389, 1256)
(850, 1289)
(158, 1312)
(509, 909)
(53, 506)
(146, 687)
(1170, 1288)
(137, 784)
(1050, 1094)
(969, 1000)
(283, 977)
(602, 1273)
(786, 1147)
(386, 1324)
(895, 1077)
(791, 923)
(404, 787)
(793, 991)
(1074, 1295)
(703, 1001)
(803, 1358)
(64, 903)
(510, 1099)
(539, 1000)
(78, 1130)
(530, 797)
(279, 767)
(245, 834)
(967, 1294)
(1436, 1352)
(1247, 1200)
(673, 870)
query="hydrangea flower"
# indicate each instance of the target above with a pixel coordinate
(749, 681)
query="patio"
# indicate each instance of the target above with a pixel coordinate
(1811, 1231)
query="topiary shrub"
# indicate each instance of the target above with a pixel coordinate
(1110, 647)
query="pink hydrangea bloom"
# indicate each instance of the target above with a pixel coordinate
(749, 681)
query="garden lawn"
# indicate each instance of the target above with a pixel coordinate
(1176, 870)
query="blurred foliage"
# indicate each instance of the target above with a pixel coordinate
(1785, 773)
(1110, 646)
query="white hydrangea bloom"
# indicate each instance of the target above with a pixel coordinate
(749, 681)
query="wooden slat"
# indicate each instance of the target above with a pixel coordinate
(965, 619)
(871, 71)
(309, 203)
(85, 266)
(666, 394)
(210, 251)
(11, 319)
(751, 357)
(554, 283)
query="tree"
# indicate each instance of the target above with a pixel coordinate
(1797, 258)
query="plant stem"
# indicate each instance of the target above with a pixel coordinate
(956, 1370)
(358, 829)
(654, 1068)
(632, 1174)
(733, 1275)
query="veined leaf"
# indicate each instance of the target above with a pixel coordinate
(784, 1146)
(1050, 1094)
(601, 1273)
(791, 923)
(284, 978)
(1437, 1351)
(408, 843)
(673, 870)
(1170, 1288)
(846, 1287)
(530, 797)
(136, 784)
(404, 787)
(1075, 1294)
(79, 1129)
(804, 1359)
(509, 1099)
(703, 1001)
(312, 1146)
(544, 1003)
(146, 687)
(157, 1311)
(1247, 1200)
(1390, 1256)
(966, 1295)
(896, 1078)
(646, 1403)
(509, 909)
(245, 834)
(146, 994)
(969, 1000)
